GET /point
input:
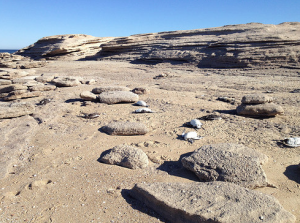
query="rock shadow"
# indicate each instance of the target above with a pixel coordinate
(175, 168)
(103, 154)
(293, 173)
(74, 100)
(140, 206)
(229, 112)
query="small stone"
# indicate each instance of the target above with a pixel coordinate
(88, 96)
(263, 110)
(125, 128)
(127, 156)
(141, 90)
(99, 90)
(256, 99)
(113, 97)
(90, 82)
(44, 79)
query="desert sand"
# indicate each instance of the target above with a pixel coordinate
(56, 176)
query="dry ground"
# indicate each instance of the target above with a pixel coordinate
(56, 176)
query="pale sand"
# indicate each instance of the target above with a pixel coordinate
(57, 178)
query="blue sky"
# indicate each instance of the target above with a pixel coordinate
(23, 22)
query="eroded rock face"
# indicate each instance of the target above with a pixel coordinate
(125, 128)
(12, 110)
(113, 97)
(213, 202)
(228, 162)
(227, 46)
(127, 156)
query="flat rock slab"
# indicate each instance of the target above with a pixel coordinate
(42, 87)
(223, 162)
(99, 90)
(13, 87)
(114, 97)
(5, 82)
(20, 94)
(66, 81)
(12, 110)
(126, 156)
(125, 128)
(88, 96)
(213, 202)
(260, 110)
(256, 99)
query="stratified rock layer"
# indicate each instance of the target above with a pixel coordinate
(214, 202)
(12, 110)
(245, 45)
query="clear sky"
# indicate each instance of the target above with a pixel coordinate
(23, 22)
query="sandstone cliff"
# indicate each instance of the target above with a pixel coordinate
(245, 45)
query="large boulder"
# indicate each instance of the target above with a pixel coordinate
(114, 97)
(126, 156)
(213, 202)
(12, 110)
(125, 128)
(228, 162)
(260, 110)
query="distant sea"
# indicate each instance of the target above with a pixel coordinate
(7, 51)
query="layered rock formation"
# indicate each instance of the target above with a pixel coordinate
(245, 45)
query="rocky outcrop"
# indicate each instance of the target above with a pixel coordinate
(245, 45)
(61, 47)
(214, 202)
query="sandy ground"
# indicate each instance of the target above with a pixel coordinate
(56, 175)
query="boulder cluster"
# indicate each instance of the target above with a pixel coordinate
(8, 60)
(259, 105)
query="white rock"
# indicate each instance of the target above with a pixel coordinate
(143, 110)
(141, 103)
(196, 123)
(292, 142)
(190, 136)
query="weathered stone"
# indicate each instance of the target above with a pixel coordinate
(88, 96)
(11, 88)
(27, 82)
(44, 79)
(228, 162)
(42, 87)
(263, 110)
(5, 82)
(18, 95)
(213, 202)
(12, 110)
(66, 81)
(99, 90)
(10, 74)
(256, 99)
(113, 97)
(141, 90)
(125, 128)
(127, 156)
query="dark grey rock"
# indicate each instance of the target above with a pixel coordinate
(125, 128)
(213, 202)
(228, 162)
(127, 156)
